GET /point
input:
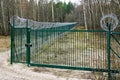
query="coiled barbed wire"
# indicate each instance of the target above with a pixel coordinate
(22, 22)
(113, 26)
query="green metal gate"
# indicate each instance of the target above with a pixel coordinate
(18, 41)
(61, 47)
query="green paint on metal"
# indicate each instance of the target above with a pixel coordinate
(12, 42)
(12, 45)
(28, 44)
(115, 32)
(73, 68)
(108, 46)
(42, 37)
(49, 30)
(63, 48)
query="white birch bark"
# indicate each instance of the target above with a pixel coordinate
(21, 9)
(84, 11)
(3, 16)
(52, 12)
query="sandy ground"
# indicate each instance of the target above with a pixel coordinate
(22, 72)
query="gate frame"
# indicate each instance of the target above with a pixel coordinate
(28, 46)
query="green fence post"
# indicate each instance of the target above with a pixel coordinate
(109, 48)
(28, 45)
(12, 42)
(36, 40)
(42, 36)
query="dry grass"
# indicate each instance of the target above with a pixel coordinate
(4, 43)
(65, 73)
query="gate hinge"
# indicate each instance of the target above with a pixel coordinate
(28, 45)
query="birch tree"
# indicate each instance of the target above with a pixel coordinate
(3, 17)
(52, 11)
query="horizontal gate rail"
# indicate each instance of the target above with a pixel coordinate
(44, 30)
(73, 68)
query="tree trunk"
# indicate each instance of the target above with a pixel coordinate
(52, 12)
(3, 17)
(84, 11)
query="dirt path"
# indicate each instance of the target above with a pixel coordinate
(22, 72)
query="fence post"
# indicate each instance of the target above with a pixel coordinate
(109, 48)
(12, 42)
(36, 41)
(28, 45)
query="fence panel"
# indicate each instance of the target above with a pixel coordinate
(76, 48)
(19, 45)
(115, 51)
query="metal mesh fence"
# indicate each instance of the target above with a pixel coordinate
(22, 23)
(25, 31)
(115, 51)
(19, 44)
(62, 45)
(72, 49)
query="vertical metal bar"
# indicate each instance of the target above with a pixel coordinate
(36, 41)
(108, 46)
(12, 43)
(28, 43)
(21, 36)
(42, 36)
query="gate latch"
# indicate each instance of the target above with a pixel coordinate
(28, 45)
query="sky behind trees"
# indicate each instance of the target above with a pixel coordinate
(73, 1)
